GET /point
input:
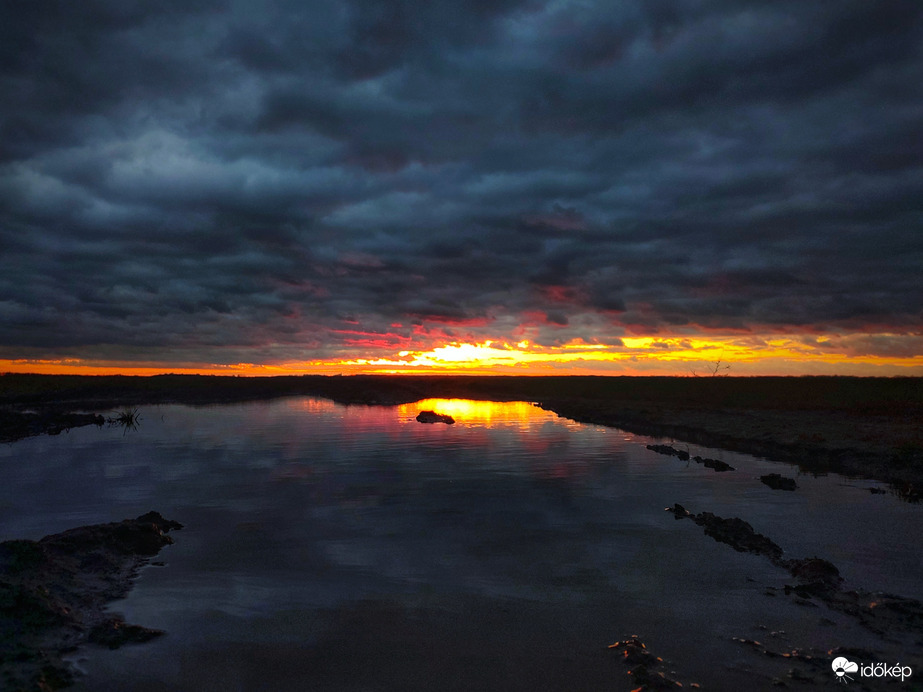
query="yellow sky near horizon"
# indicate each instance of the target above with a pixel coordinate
(676, 355)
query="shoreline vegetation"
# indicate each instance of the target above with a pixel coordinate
(861, 427)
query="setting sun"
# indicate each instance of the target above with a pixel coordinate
(675, 356)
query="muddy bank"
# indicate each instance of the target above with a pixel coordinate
(53, 595)
(884, 448)
(16, 425)
(777, 481)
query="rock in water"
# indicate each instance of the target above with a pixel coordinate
(433, 417)
(777, 481)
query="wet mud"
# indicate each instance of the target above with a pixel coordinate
(54, 593)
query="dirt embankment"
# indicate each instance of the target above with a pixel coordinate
(53, 594)
(883, 447)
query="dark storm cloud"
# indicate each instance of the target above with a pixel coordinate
(205, 178)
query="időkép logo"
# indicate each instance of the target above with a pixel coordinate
(846, 670)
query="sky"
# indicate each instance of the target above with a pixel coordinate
(481, 186)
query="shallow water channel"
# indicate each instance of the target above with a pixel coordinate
(353, 548)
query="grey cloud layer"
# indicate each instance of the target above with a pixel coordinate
(215, 178)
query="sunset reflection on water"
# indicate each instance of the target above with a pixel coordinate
(522, 415)
(517, 415)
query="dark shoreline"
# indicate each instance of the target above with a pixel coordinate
(862, 427)
(54, 593)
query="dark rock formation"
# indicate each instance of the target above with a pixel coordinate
(665, 449)
(643, 666)
(683, 455)
(716, 464)
(433, 417)
(53, 595)
(777, 481)
(735, 532)
(815, 577)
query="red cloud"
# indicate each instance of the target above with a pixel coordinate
(562, 294)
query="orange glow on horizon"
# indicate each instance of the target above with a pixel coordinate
(670, 356)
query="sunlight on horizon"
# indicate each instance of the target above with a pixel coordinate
(643, 355)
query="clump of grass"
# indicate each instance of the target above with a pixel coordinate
(128, 418)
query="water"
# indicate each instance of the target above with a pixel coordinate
(335, 548)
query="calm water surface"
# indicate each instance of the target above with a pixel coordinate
(352, 548)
